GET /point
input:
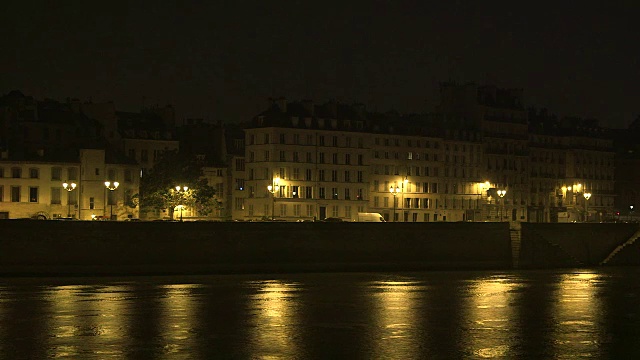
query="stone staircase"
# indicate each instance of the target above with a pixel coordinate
(619, 248)
(515, 233)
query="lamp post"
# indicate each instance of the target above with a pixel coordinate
(111, 187)
(501, 193)
(587, 196)
(394, 191)
(181, 189)
(273, 188)
(630, 211)
(69, 187)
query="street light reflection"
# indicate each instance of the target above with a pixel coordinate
(491, 316)
(86, 317)
(275, 316)
(578, 315)
(178, 318)
(397, 311)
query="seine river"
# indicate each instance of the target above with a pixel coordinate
(428, 315)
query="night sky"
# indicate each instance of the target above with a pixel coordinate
(222, 60)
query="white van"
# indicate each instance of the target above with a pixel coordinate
(370, 217)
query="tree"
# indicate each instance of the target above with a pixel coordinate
(158, 185)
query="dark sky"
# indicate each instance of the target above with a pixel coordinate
(223, 59)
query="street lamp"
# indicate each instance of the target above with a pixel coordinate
(69, 188)
(111, 187)
(587, 196)
(501, 193)
(630, 211)
(394, 191)
(181, 189)
(273, 188)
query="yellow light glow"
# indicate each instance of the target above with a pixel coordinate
(275, 308)
(491, 316)
(396, 314)
(578, 315)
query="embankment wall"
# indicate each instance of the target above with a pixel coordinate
(573, 244)
(121, 248)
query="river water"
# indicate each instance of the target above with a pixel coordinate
(428, 315)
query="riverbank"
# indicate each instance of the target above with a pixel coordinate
(42, 248)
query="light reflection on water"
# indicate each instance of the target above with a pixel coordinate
(491, 316)
(534, 315)
(395, 312)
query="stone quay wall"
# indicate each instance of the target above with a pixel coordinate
(134, 248)
(576, 245)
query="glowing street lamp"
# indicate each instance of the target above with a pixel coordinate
(181, 189)
(501, 193)
(587, 196)
(394, 191)
(111, 187)
(273, 188)
(69, 188)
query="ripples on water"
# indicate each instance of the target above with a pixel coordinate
(448, 315)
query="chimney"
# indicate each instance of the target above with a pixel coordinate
(282, 104)
(308, 106)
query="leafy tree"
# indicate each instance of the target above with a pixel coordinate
(158, 185)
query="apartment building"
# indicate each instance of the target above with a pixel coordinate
(306, 161)
(35, 188)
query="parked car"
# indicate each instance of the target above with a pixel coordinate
(333, 219)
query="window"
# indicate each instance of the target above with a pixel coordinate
(347, 159)
(334, 211)
(283, 209)
(295, 192)
(347, 176)
(347, 211)
(296, 210)
(282, 156)
(296, 173)
(240, 184)
(144, 155)
(308, 192)
(335, 158)
(296, 139)
(97, 171)
(92, 203)
(321, 141)
(239, 203)
(266, 155)
(128, 175)
(282, 139)
(321, 194)
(239, 164)
(266, 138)
(334, 175)
(307, 175)
(1, 173)
(33, 194)
(334, 193)
(321, 159)
(347, 194)
(15, 194)
(296, 158)
(334, 140)
(309, 157)
(16, 173)
(34, 173)
(360, 176)
(310, 210)
(55, 195)
(73, 173)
